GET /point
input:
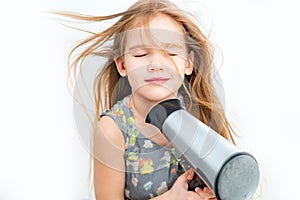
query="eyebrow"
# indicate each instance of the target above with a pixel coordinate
(163, 45)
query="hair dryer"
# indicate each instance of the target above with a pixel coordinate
(230, 173)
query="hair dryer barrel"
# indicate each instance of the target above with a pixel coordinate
(231, 173)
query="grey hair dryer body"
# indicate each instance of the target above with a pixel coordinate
(231, 173)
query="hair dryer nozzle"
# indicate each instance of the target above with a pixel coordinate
(161, 111)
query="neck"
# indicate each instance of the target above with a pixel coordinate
(141, 106)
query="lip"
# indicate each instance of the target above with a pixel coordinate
(157, 80)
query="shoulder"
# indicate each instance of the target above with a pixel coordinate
(119, 113)
(111, 131)
(112, 124)
(108, 143)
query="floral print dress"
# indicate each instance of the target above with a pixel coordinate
(151, 169)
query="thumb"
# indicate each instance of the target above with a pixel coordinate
(189, 174)
(185, 178)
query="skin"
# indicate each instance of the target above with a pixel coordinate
(155, 72)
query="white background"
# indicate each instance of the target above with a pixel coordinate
(41, 156)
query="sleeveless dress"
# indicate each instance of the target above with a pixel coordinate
(151, 169)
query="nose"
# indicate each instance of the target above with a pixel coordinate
(155, 67)
(158, 61)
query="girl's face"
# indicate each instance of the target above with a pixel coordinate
(155, 59)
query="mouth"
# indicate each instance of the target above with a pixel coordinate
(157, 80)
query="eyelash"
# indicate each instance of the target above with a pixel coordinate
(172, 54)
(145, 54)
(140, 55)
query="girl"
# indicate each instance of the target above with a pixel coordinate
(160, 53)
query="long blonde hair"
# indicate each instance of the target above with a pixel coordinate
(201, 90)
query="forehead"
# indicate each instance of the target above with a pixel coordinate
(159, 38)
(161, 29)
(162, 21)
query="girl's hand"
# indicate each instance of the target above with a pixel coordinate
(206, 193)
(180, 189)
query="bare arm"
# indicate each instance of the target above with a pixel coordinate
(109, 167)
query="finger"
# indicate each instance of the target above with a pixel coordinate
(187, 174)
(203, 194)
(207, 190)
(182, 180)
(198, 190)
(190, 174)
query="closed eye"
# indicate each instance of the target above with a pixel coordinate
(140, 55)
(172, 54)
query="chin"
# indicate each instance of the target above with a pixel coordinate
(157, 94)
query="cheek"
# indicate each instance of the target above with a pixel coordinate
(133, 64)
(136, 75)
(180, 67)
